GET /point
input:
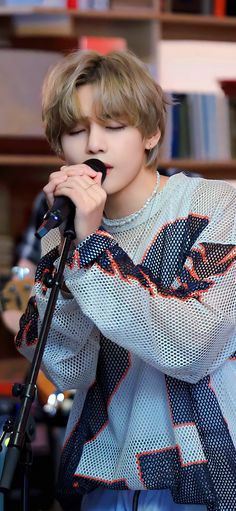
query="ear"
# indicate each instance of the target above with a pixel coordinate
(153, 140)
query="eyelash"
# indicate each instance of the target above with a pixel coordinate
(75, 132)
(115, 127)
(107, 127)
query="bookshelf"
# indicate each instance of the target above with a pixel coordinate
(143, 24)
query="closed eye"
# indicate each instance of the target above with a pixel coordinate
(115, 127)
(76, 132)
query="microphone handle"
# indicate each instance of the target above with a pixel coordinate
(62, 207)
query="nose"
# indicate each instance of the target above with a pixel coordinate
(96, 139)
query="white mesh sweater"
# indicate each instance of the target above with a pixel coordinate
(148, 337)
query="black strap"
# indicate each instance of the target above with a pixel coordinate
(135, 500)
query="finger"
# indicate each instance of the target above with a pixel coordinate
(83, 181)
(96, 193)
(78, 185)
(50, 188)
(80, 190)
(98, 178)
(80, 170)
(57, 174)
(49, 198)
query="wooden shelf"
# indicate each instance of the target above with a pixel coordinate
(170, 25)
(112, 14)
(227, 168)
(29, 160)
(197, 19)
(124, 22)
(200, 164)
(127, 13)
(7, 159)
(197, 27)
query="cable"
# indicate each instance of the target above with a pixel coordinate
(135, 500)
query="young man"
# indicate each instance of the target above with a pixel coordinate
(144, 327)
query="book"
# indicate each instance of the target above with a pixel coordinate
(48, 43)
(102, 44)
(165, 149)
(207, 7)
(175, 128)
(67, 43)
(72, 4)
(228, 86)
(229, 89)
(42, 24)
(232, 122)
(184, 127)
(100, 5)
(220, 8)
(230, 8)
(223, 128)
(197, 135)
(188, 6)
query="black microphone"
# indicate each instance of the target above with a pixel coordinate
(63, 207)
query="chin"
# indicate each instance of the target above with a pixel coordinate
(109, 189)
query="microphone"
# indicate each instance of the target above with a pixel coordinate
(63, 207)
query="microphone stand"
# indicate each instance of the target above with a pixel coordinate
(23, 430)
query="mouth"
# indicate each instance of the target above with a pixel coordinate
(108, 168)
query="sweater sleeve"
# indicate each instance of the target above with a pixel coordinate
(72, 346)
(180, 315)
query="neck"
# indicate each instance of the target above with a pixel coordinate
(132, 197)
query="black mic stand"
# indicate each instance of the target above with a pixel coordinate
(19, 446)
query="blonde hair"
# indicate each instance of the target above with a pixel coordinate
(124, 91)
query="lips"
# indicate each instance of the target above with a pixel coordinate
(108, 168)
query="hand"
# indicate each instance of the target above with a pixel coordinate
(82, 185)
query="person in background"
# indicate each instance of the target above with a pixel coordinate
(145, 324)
(28, 250)
(27, 255)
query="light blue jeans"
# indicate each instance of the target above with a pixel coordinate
(151, 500)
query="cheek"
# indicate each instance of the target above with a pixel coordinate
(136, 143)
(71, 148)
(135, 150)
(65, 144)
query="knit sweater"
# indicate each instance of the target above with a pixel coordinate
(148, 340)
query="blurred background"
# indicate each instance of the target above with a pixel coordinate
(190, 48)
